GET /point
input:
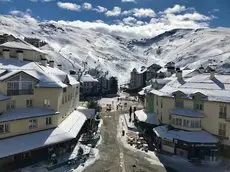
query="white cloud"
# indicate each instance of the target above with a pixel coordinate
(87, 6)
(100, 9)
(129, 21)
(143, 12)
(176, 9)
(26, 15)
(116, 11)
(140, 12)
(128, 0)
(69, 6)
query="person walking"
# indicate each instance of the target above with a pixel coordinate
(130, 114)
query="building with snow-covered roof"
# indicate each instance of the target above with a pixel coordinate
(193, 103)
(89, 86)
(139, 78)
(21, 50)
(37, 106)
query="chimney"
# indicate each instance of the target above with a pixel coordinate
(179, 74)
(6, 53)
(72, 72)
(44, 61)
(51, 63)
(59, 66)
(20, 55)
(212, 74)
(201, 69)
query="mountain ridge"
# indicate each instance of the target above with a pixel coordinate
(72, 46)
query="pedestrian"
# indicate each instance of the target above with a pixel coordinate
(134, 110)
(130, 113)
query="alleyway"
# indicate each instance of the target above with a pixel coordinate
(113, 156)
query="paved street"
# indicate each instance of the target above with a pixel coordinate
(113, 156)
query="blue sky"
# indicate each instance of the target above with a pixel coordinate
(164, 14)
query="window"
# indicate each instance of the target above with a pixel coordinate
(178, 121)
(168, 143)
(222, 129)
(4, 128)
(64, 90)
(157, 101)
(32, 123)
(184, 123)
(46, 103)
(199, 106)
(29, 103)
(49, 121)
(179, 102)
(161, 103)
(11, 104)
(223, 111)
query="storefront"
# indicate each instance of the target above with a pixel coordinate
(193, 145)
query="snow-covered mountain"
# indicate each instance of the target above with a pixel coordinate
(72, 46)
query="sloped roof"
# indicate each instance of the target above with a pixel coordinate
(16, 114)
(19, 44)
(47, 76)
(187, 113)
(65, 131)
(217, 89)
(188, 136)
(88, 78)
(149, 118)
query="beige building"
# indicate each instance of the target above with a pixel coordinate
(37, 104)
(195, 113)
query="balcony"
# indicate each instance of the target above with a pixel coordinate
(19, 92)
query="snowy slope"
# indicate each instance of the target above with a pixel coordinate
(72, 46)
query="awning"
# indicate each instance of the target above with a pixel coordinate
(187, 113)
(149, 118)
(23, 113)
(67, 130)
(187, 136)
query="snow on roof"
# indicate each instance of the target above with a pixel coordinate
(188, 136)
(23, 113)
(89, 113)
(19, 44)
(88, 78)
(65, 131)
(3, 97)
(145, 90)
(149, 118)
(217, 89)
(2, 71)
(47, 76)
(187, 113)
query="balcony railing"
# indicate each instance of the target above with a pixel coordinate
(19, 92)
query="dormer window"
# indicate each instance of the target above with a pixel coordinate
(179, 101)
(198, 101)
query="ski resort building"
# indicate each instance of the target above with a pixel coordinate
(38, 103)
(194, 113)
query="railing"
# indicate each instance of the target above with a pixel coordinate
(19, 92)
